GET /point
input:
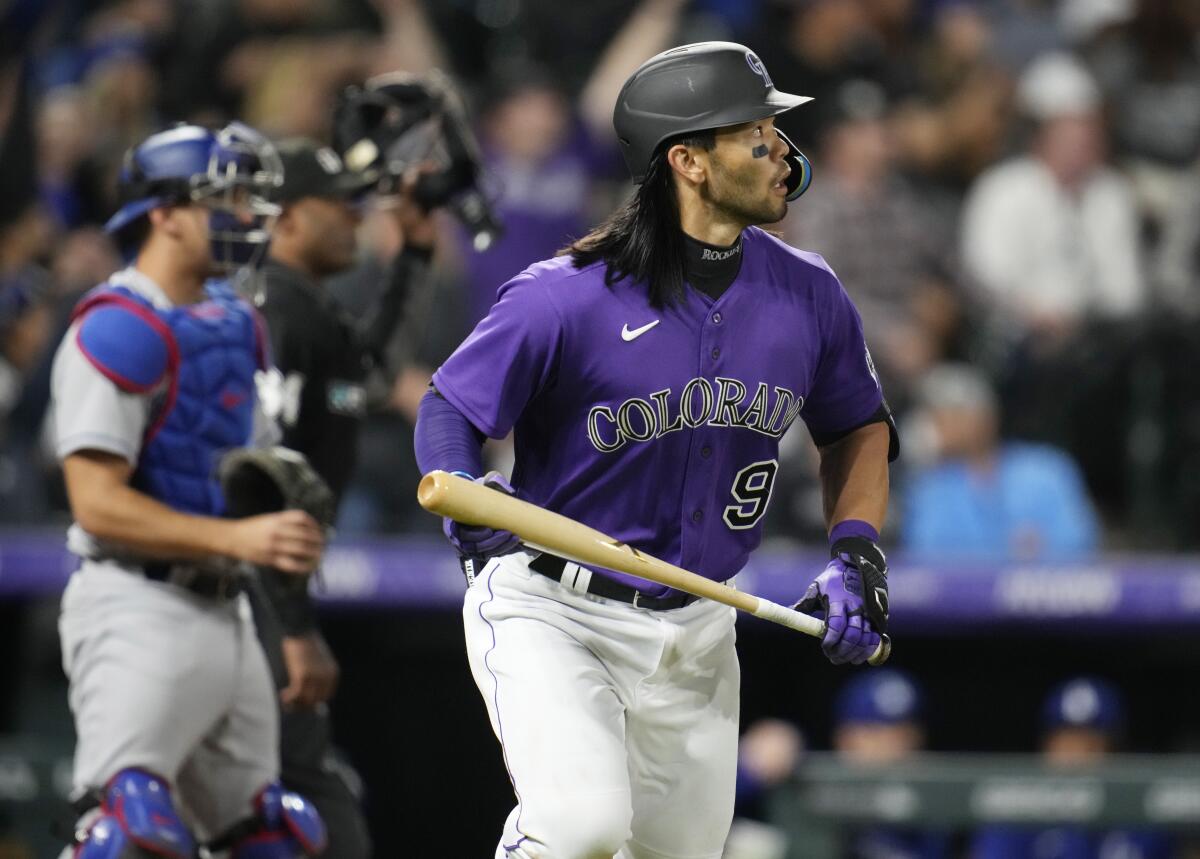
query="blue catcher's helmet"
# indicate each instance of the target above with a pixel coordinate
(231, 172)
(160, 171)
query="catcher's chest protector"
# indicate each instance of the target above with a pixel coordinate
(205, 404)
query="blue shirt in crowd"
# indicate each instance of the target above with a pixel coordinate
(1032, 505)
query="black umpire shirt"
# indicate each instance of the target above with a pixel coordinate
(324, 357)
(317, 388)
(321, 396)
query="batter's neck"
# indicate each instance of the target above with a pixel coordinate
(711, 268)
(712, 231)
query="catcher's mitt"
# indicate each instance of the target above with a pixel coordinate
(268, 479)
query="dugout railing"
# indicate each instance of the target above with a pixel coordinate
(960, 793)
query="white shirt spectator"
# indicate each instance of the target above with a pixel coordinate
(1039, 250)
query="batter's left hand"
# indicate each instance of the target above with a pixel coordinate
(476, 541)
(838, 592)
(311, 669)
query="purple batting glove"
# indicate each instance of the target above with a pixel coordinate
(838, 592)
(478, 542)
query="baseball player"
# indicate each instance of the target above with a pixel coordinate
(649, 372)
(173, 703)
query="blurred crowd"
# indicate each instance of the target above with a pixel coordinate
(1009, 190)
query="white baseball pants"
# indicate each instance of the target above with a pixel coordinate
(619, 725)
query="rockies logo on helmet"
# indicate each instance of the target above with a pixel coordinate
(758, 68)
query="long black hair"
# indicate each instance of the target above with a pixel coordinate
(643, 239)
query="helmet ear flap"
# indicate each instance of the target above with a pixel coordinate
(801, 176)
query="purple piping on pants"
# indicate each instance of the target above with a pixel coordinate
(496, 703)
(508, 848)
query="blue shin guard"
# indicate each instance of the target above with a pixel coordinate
(289, 827)
(137, 818)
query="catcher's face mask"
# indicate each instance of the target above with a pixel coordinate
(244, 171)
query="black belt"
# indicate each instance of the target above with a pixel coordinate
(600, 585)
(203, 582)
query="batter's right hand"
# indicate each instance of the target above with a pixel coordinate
(290, 541)
(838, 594)
(476, 541)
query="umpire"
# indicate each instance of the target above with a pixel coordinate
(318, 393)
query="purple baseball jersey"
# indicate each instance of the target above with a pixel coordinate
(658, 427)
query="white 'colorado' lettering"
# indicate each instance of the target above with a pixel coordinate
(769, 411)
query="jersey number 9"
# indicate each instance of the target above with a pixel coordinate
(751, 491)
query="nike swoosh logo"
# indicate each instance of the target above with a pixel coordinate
(628, 335)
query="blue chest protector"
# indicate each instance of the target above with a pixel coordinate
(203, 357)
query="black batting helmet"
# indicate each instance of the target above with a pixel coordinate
(696, 88)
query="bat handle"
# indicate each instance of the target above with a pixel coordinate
(809, 625)
(789, 617)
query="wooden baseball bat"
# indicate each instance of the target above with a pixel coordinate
(545, 531)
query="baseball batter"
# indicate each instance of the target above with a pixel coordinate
(649, 373)
(177, 735)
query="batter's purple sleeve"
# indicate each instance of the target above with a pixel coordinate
(506, 360)
(444, 438)
(846, 390)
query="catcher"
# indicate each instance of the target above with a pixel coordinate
(177, 730)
